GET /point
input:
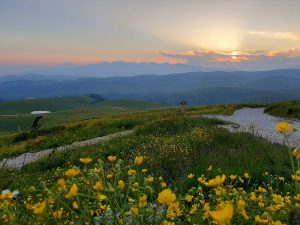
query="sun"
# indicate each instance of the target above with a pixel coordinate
(223, 40)
(234, 55)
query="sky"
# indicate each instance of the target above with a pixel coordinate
(249, 34)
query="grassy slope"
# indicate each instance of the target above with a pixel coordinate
(9, 124)
(289, 109)
(174, 145)
(44, 104)
(47, 137)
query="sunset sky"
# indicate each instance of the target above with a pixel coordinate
(197, 32)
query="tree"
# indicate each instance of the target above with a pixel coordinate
(35, 124)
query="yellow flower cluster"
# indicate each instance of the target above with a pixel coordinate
(116, 193)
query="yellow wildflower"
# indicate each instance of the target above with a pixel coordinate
(57, 214)
(75, 205)
(296, 176)
(101, 197)
(262, 190)
(190, 176)
(121, 184)
(277, 222)
(72, 192)
(261, 205)
(241, 208)
(72, 172)
(150, 179)
(134, 210)
(260, 220)
(165, 222)
(112, 158)
(7, 194)
(138, 160)
(39, 208)
(223, 213)
(85, 160)
(143, 201)
(174, 210)
(130, 200)
(215, 182)
(163, 184)
(188, 198)
(98, 186)
(246, 175)
(296, 153)
(253, 196)
(109, 176)
(209, 168)
(232, 177)
(131, 172)
(144, 170)
(283, 127)
(61, 183)
(166, 197)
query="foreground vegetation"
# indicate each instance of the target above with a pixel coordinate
(16, 117)
(177, 168)
(112, 193)
(188, 171)
(49, 137)
(289, 109)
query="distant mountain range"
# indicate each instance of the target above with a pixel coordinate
(99, 70)
(198, 88)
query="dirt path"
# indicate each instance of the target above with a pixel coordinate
(255, 121)
(21, 160)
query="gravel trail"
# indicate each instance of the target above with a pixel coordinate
(21, 160)
(255, 121)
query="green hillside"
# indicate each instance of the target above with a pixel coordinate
(132, 104)
(80, 108)
(187, 156)
(289, 109)
(47, 104)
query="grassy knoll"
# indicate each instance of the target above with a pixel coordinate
(173, 145)
(289, 109)
(68, 132)
(45, 104)
(71, 109)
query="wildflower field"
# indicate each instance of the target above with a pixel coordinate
(174, 169)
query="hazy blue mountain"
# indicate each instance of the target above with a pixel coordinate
(32, 76)
(104, 69)
(223, 95)
(215, 87)
(275, 82)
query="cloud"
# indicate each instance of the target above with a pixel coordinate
(276, 35)
(255, 60)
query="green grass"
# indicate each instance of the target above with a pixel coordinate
(174, 145)
(67, 131)
(22, 122)
(45, 104)
(289, 109)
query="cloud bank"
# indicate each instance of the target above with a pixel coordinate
(255, 60)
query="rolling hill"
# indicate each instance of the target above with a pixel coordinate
(225, 95)
(49, 104)
(260, 85)
(65, 110)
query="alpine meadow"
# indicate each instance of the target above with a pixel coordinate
(150, 113)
